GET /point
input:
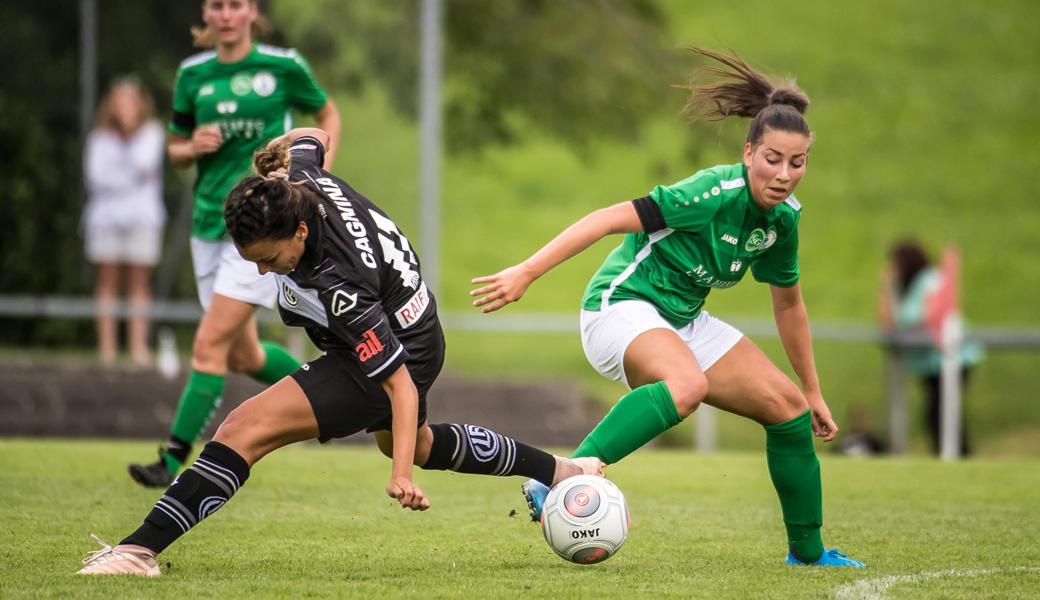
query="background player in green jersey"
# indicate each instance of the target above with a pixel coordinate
(642, 321)
(228, 102)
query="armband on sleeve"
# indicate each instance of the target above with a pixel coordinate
(184, 121)
(650, 214)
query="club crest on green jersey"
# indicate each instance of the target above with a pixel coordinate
(264, 84)
(241, 84)
(759, 239)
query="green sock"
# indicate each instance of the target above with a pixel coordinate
(278, 364)
(639, 416)
(795, 472)
(199, 400)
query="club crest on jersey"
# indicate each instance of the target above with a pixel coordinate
(369, 346)
(290, 296)
(264, 84)
(760, 239)
(342, 302)
(241, 83)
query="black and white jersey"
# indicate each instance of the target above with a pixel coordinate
(358, 286)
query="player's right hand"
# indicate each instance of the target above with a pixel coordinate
(407, 493)
(206, 139)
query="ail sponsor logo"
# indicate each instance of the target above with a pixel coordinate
(416, 306)
(369, 346)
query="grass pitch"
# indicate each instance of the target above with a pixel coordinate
(313, 522)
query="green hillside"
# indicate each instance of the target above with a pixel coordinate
(925, 123)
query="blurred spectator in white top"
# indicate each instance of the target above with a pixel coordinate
(124, 216)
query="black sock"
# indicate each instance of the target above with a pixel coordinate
(197, 493)
(474, 449)
(177, 448)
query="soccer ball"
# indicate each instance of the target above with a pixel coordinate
(585, 519)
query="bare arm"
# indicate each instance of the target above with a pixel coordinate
(328, 120)
(792, 323)
(404, 406)
(183, 152)
(510, 284)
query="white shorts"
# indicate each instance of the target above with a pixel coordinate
(606, 334)
(124, 244)
(219, 269)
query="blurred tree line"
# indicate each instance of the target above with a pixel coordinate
(575, 70)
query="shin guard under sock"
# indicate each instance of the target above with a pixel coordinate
(474, 449)
(795, 471)
(197, 493)
(639, 416)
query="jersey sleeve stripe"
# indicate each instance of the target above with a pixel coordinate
(631, 268)
(793, 202)
(276, 51)
(730, 184)
(388, 362)
(198, 59)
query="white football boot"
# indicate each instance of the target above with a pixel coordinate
(124, 559)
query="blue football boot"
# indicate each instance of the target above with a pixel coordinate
(535, 492)
(830, 558)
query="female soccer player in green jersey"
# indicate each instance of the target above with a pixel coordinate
(642, 318)
(228, 102)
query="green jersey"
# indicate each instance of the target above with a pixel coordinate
(701, 233)
(252, 101)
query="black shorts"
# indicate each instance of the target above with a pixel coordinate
(346, 401)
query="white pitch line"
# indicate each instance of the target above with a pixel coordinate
(875, 589)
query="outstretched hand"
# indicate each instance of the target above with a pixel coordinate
(407, 493)
(501, 288)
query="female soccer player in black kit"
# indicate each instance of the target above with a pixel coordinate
(349, 276)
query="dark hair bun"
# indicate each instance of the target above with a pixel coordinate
(791, 96)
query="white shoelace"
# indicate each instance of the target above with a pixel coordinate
(99, 556)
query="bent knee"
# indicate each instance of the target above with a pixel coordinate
(236, 426)
(783, 405)
(687, 392)
(247, 361)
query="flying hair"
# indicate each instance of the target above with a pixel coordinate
(744, 92)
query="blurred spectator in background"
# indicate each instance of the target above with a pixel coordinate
(907, 284)
(124, 216)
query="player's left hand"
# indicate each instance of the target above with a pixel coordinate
(823, 424)
(407, 493)
(501, 288)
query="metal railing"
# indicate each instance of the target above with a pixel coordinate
(995, 338)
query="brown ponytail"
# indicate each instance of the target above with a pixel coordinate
(273, 159)
(744, 92)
